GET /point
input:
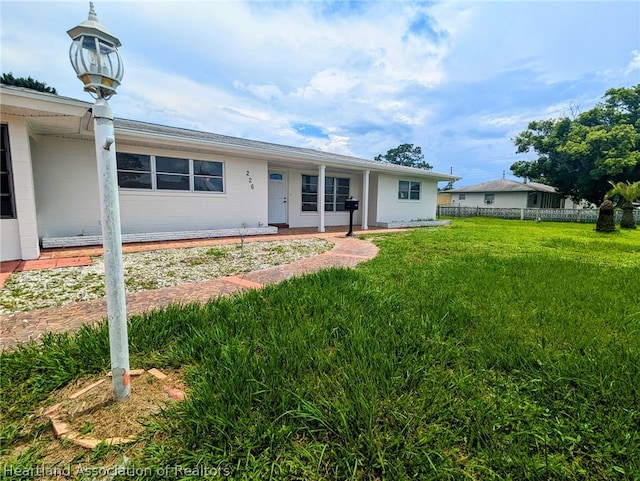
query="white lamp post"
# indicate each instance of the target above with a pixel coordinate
(94, 56)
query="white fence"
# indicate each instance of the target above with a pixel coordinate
(555, 215)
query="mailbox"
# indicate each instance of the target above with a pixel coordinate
(350, 204)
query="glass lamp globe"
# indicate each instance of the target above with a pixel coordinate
(94, 56)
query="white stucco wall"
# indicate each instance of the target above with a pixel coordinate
(66, 182)
(297, 218)
(390, 208)
(166, 211)
(68, 203)
(9, 240)
(20, 236)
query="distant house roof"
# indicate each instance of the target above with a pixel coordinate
(504, 185)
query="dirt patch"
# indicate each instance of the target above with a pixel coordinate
(87, 427)
(96, 414)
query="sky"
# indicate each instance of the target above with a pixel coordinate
(459, 79)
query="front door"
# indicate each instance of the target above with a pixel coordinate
(277, 197)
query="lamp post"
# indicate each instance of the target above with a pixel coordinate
(94, 56)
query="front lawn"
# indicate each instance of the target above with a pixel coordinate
(491, 349)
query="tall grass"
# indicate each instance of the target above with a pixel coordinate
(489, 350)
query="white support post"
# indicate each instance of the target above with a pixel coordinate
(365, 199)
(112, 245)
(321, 182)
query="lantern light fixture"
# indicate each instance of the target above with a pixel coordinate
(94, 56)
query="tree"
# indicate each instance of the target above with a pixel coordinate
(29, 83)
(579, 156)
(628, 192)
(405, 154)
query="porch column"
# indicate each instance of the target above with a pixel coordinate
(25, 200)
(365, 199)
(321, 171)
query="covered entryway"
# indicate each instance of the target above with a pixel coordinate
(277, 198)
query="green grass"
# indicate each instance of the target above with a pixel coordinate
(492, 349)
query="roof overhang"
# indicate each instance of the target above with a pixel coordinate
(46, 114)
(52, 115)
(283, 156)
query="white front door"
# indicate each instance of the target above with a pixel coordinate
(277, 197)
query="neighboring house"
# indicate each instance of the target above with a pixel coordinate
(177, 183)
(445, 197)
(509, 194)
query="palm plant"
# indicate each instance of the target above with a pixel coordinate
(629, 192)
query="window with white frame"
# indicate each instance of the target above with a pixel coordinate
(408, 190)
(172, 173)
(207, 176)
(489, 198)
(309, 193)
(336, 191)
(462, 196)
(134, 171)
(140, 171)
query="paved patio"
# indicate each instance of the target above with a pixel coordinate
(26, 326)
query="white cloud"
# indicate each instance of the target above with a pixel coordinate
(328, 83)
(634, 64)
(264, 92)
(459, 88)
(335, 143)
(506, 121)
(415, 118)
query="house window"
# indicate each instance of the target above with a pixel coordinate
(489, 198)
(6, 179)
(462, 196)
(134, 171)
(138, 171)
(336, 191)
(172, 173)
(207, 176)
(408, 190)
(309, 193)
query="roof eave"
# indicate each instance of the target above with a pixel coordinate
(279, 152)
(15, 97)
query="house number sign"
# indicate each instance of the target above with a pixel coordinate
(250, 180)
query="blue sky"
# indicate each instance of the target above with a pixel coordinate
(459, 79)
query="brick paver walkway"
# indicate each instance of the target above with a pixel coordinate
(25, 326)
